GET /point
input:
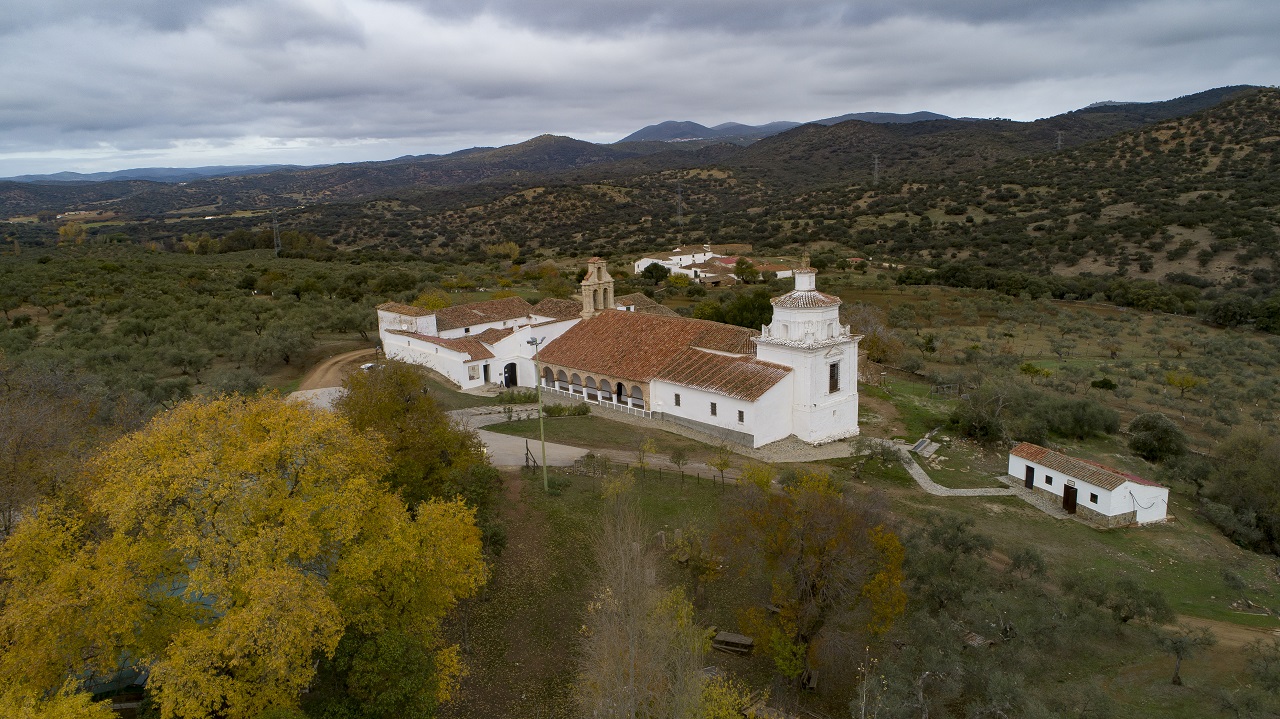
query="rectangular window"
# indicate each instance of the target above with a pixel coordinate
(1048, 480)
(713, 409)
(742, 416)
(1093, 498)
(677, 399)
(833, 378)
(466, 330)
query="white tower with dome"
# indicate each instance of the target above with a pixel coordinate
(807, 336)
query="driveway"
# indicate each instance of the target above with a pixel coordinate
(508, 451)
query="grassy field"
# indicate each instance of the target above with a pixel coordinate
(597, 432)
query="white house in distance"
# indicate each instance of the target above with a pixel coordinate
(797, 377)
(675, 259)
(1101, 494)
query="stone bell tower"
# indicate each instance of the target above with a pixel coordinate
(597, 289)
(807, 336)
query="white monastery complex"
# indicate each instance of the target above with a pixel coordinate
(796, 376)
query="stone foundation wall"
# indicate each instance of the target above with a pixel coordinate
(1090, 515)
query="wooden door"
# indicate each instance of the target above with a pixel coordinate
(1031, 478)
(1069, 499)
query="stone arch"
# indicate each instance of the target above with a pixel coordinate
(606, 391)
(575, 384)
(562, 381)
(637, 397)
(548, 379)
(591, 389)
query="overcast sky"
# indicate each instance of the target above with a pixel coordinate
(95, 85)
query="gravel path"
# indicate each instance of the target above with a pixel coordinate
(927, 484)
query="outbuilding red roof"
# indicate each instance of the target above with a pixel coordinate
(1095, 473)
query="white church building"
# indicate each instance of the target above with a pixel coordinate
(796, 376)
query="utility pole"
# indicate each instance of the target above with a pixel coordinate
(542, 434)
(875, 169)
(275, 230)
(1059, 140)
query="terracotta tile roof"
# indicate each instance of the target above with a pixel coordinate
(802, 299)
(507, 308)
(1099, 475)
(493, 334)
(470, 346)
(403, 309)
(557, 308)
(644, 303)
(637, 346)
(740, 377)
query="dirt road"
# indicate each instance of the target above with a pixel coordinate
(332, 371)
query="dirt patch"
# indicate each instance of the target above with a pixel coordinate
(519, 643)
(1232, 637)
(879, 418)
(332, 372)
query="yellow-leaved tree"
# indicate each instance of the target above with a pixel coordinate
(833, 574)
(227, 547)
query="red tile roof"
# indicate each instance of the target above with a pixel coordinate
(1095, 473)
(557, 308)
(644, 303)
(475, 313)
(493, 334)
(740, 377)
(637, 346)
(470, 346)
(403, 309)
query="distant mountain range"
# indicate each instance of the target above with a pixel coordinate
(684, 130)
(833, 150)
(155, 174)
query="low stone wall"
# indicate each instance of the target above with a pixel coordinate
(1090, 515)
(1093, 516)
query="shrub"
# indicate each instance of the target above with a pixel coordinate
(1156, 438)
(517, 395)
(567, 410)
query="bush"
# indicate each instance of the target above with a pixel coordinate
(517, 395)
(1156, 438)
(580, 409)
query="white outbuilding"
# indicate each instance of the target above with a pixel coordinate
(1100, 494)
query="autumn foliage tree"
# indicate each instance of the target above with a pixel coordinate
(833, 569)
(432, 457)
(226, 547)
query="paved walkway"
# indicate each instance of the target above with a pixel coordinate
(927, 484)
(509, 451)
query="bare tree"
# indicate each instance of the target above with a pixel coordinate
(642, 653)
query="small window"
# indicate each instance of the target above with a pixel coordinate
(713, 409)
(677, 399)
(833, 378)
(466, 330)
(742, 416)
(1048, 480)
(1093, 498)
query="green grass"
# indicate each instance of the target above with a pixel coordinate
(600, 433)
(449, 398)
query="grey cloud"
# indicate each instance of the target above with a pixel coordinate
(314, 80)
